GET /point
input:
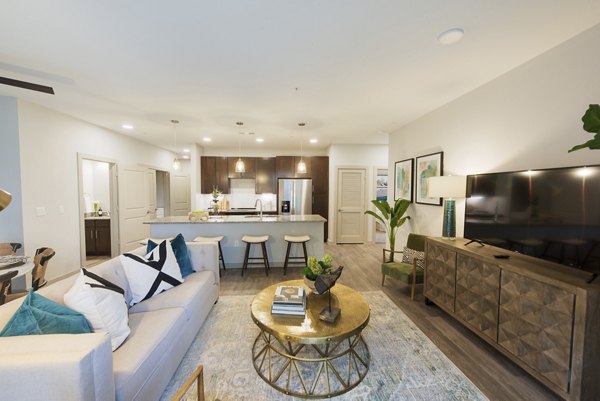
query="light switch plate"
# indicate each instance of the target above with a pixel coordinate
(40, 211)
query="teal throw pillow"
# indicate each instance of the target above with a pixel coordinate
(181, 254)
(39, 315)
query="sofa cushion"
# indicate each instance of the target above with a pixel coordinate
(113, 271)
(402, 271)
(39, 315)
(102, 303)
(153, 335)
(150, 275)
(188, 296)
(181, 254)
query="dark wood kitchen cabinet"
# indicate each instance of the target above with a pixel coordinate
(97, 237)
(320, 179)
(214, 173)
(249, 163)
(286, 166)
(266, 182)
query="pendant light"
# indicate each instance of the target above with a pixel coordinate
(176, 163)
(301, 167)
(240, 167)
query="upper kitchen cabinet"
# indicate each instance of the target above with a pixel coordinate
(266, 181)
(213, 173)
(320, 174)
(286, 167)
(249, 163)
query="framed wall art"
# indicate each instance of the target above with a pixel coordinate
(403, 180)
(428, 166)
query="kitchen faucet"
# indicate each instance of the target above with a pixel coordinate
(259, 202)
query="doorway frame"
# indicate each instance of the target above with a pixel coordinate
(113, 168)
(373, 232)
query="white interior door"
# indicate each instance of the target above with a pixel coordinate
(134, 203)
(180, 194)
(350, 221)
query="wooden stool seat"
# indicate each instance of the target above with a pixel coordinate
(295, 239)
(256, 239)
(218, 240)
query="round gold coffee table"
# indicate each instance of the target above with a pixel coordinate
(306, 357)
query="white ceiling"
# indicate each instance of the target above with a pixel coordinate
(363, 68)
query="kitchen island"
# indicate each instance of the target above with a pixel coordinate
(235, 227)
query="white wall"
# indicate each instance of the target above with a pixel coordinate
(11, 218)
(368, 156)
(50, 143)
(526, 119)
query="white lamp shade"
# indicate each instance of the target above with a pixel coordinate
(5, 199)
(450, 186)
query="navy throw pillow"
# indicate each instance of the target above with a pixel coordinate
(181, 254)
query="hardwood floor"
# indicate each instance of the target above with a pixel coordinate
(497, 377)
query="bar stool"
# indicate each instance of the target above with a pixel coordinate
(218, 240)
(256, 239)
(295, 239)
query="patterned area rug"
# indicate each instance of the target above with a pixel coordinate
(405, 364)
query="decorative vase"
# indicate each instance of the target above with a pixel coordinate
(310, 284)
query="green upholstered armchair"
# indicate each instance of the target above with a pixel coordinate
(408, 273)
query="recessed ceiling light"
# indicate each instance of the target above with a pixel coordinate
(206, 139)
(186, 151)
(260, 140)
(451, 36)
(314, 140)
(127, 126)
(186, 156)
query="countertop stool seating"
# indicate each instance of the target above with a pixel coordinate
(256, 239)
(295, 239)
(218, 240)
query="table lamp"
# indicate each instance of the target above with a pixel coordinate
(5, 199)
(448, 187)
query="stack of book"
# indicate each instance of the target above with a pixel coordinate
(289, 300)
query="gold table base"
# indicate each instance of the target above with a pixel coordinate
(311, 370)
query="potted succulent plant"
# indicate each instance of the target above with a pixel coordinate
(391, 217)
(314, 268)
(591, 123)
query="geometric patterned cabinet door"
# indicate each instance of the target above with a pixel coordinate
(536, 325)
(440, 276)
(477, 291)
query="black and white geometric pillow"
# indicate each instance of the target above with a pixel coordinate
(152, 274)
(409, 254)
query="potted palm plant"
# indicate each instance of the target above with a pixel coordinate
(391, 217)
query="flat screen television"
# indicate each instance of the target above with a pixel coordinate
(552, 214)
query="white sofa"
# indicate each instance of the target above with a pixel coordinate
(82, 367)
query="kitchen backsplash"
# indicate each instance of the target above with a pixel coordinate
(242, 195)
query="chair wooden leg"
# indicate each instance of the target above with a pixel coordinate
(221, 256)
(265, 258)
(246, 258)
(305, 253)
(414, 280)
(287, 258)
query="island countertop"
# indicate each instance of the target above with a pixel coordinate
(250, 218)
(233, 228)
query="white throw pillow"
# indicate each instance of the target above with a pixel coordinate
(151, 274)
(103, 305)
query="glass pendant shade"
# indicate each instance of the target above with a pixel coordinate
(176, 164)
(301, 167)
(240, 167)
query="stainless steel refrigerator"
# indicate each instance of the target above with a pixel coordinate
(294, 195)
